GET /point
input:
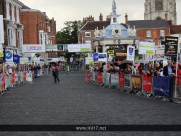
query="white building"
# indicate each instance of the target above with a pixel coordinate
(160, 9)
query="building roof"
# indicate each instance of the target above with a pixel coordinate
(175, 29)
(141, 24)
(25, 7)
(92, 25)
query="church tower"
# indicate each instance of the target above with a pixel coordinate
(160, 9)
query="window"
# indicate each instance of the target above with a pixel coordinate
(20, 38)
(7, 10)
(12, 14)
(148, 33)
(11, 36)
(41, 37)
(17, 14)
(162, 32)
(114, 20)
(158, 5)
(87, 34)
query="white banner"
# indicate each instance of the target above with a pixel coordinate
(1, 29)
(33, 48)
(102, 57)
(146, 48)
(1, 50)
(79, 47)
(24, 61)
(130, 53)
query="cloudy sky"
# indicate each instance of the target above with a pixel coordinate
(70, 10)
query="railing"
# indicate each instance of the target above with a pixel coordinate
(165, 88)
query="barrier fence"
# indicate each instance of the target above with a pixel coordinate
(164, 88)
(21, 77)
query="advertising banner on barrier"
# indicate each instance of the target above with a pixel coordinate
(147, 84)
(162, 86)
(121, 80)
(99, 77)
(29, 77)
(13, 78)
(93, 76)
(136, 83)
(127, 80)
(3, 81)
(107, 78)
(114, 79)
(24, 76)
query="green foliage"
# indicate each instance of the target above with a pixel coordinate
(68, 34)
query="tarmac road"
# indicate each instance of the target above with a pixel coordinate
(74, 102)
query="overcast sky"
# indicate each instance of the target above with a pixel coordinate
(70, 10)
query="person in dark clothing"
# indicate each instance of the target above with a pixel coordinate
(158, 70)
(55, 74)
(168, 70)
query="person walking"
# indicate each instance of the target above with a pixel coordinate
(55, 74)
(68, 70)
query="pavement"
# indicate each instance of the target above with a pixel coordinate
(71, 101)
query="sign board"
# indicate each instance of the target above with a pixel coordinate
(1, 29)
(16, 58)
(1, 50)
(110, 52)
(120, 54)
(95, 56)
(171, 46)
(130, 53)
(102, 57)
(33, 48)
(9, 56)
(146, 48)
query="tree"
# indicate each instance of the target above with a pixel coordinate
(68, 34)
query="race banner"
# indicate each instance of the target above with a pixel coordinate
(127, 80)
(136, 83)
(121, 80)
(99, 77)
(162, 86)
(147, 84)
(29, 76)
(33, 48)
(114, 79)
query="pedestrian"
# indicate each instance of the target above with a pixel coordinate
(68, 70)
(168, 70)
(55, 74)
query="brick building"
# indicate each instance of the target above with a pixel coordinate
(13, 28)
(38, 28)
(151, 30)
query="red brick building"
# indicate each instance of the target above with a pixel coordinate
(151, 30)
(38, 28)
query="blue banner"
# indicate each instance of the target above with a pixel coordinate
(162, 86)
(95, 56)
(16, 58)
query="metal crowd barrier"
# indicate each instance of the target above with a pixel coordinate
(168, 88)
(7, 82)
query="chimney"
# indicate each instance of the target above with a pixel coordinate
(166, 16)
(108, 18)
(126, 18)
(101, 17)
